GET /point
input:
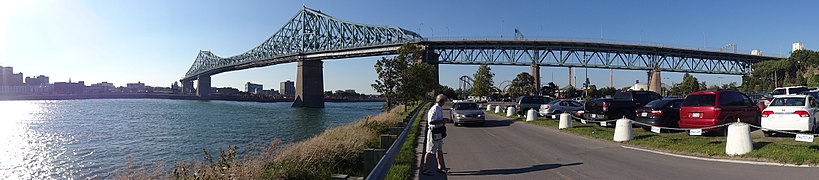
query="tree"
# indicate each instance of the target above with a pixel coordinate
(405, 77)
(688, 85)
(570, 92)
(549, 89)
(608, 91)
(482, 81)
(389, 80)
(449, 92)
(523, 84)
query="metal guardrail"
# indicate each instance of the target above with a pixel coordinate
(380, 170)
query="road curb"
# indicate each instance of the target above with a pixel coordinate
(720, 160)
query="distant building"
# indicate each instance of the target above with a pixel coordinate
(40, 80)
(69, 87)
(9, 78)
(135, 87)
(271, 92)
(253, 88)
(225, 90)
(287, 88)
(350, 91)
(103, 87)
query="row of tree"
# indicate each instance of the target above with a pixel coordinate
(406, 78)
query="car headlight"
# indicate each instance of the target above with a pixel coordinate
(480, 115)
(461, 116)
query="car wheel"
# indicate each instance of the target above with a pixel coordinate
(646, 128)
(456, 124)
(482, 124)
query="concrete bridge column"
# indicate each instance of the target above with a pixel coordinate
(187, 87)
(203, 86)
(655, 82)
(536, 74)
(309, 85)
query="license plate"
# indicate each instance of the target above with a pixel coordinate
(645, 114)
(695, 132)
(583, 121)
(804, 137)
(603, 123)
(594, 115)
(655, 129)
(696, 115)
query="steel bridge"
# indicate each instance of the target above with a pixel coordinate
(311, 36)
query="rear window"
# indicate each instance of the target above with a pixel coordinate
(778, 92)
(657, 103)
(466, 106)
(797, 90)
(700, 100)
(794, 101)
(532, 100)
(622, 95)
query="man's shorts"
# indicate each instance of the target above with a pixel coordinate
(433, 146)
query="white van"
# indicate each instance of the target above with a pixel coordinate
(789, 90)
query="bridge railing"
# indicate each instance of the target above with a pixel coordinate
(380, 170)
(598, 40)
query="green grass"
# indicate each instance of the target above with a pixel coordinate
(769, 149)
(402, 167)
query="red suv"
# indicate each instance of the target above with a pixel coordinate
(711, 108)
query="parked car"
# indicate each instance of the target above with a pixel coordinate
(623, 104)
(790, 113)
(710, 108)
(467, 113)
(789, 90)
(524, 103)
(560, 106)
(662, 112)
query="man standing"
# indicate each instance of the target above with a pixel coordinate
(436, 123)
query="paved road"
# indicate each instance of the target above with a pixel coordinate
(504, 149)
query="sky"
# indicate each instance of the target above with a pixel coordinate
(156, 41)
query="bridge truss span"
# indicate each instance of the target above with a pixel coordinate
(309, 35)
(592, 55)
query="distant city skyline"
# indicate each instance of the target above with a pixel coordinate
(156, 41)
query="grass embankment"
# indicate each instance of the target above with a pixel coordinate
(402, 167)
(336, 150)
(769, 149)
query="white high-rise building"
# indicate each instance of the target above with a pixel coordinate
(797, 46)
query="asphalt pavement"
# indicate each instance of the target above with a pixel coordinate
(505, 149)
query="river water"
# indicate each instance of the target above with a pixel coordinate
(72, 139)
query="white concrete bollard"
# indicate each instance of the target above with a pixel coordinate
(488, 107)
(531, 115)
(738, 141)
(622, 131)
(565, 121)
(497, 109)
(510, 111)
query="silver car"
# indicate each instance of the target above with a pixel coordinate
(560, 106)
(467, 113)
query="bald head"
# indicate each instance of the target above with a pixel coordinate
(440, 99)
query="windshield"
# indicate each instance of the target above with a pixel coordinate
(700, 100)
(466, 106)
(789, 101)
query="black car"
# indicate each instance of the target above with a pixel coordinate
(661, 113)
(622, 105)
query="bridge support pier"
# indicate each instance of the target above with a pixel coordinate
(309, 85)
(187, 87)
(536, 74)
(655, 83)
(203, 86)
